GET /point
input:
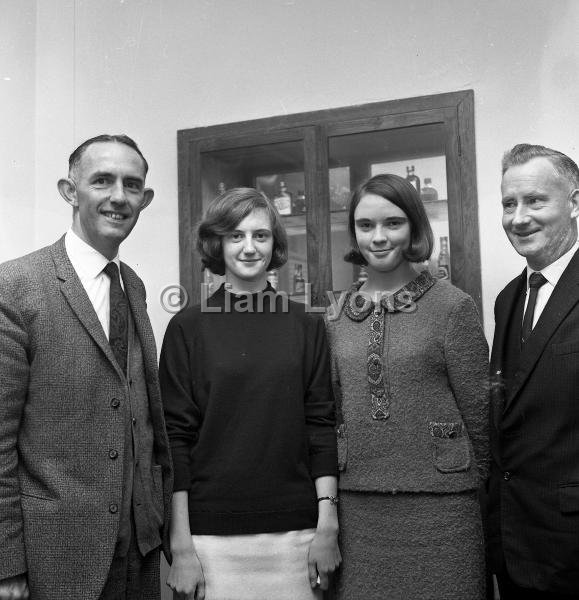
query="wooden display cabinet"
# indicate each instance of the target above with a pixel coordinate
(319, 158)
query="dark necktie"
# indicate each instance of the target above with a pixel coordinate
(536, 280)
(118, 324)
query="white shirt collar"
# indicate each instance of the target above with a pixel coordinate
(553, 272)
(87, 262)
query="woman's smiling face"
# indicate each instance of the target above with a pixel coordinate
(247, 250)
(382, 232)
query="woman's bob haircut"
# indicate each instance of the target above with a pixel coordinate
(224, 214)
(401, 193)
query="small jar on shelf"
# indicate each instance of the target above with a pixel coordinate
(299, 286)
(299, 203)
(428, 193)
(283, 201)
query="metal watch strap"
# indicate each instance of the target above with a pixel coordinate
(333, 500)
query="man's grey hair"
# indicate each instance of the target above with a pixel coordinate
(523, 153)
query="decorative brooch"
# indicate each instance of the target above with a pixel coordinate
(446, 431)
(358, 306)
(380, 399)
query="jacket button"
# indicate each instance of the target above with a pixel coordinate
(506, 475)
(113, 508)
(113, 454)
(115, 403)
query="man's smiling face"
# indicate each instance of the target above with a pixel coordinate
(539, 211)
(108, 193)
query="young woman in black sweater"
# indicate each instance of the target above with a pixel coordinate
(250, 417)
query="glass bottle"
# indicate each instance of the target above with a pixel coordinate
(443, 260)
(428, 193)
(283, 202)
(362, 275)
(412, 178)
(221, 187)
(209, 281)
(299, 203)
(299, 281)
(273, 278)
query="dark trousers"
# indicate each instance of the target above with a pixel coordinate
(133, 576)
(509, 590)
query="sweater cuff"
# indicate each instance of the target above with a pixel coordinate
(324, 464)
(181, 469)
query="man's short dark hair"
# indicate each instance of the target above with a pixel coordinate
(224, 214)
(401, 193)
(523, 153)
(121, 138)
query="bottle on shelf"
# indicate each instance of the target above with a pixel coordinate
(209, 281)
(362, 275)
(428, 193)
(299, 203)
(283, 202)
(273, 278)
(299, 281)
(443, 260)
(339, 197)
(412, 178)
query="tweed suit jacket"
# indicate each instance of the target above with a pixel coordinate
(534, 483)
(60, 492)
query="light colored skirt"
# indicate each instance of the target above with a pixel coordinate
(264, 566)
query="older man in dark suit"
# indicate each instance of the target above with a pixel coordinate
(534, 484)
(84, 462)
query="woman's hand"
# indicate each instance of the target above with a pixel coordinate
(324, 556)
(186, 575)
(14, 588)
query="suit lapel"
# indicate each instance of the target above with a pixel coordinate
(564, 297)
(506, 306)
(505, 313)
(78, 299)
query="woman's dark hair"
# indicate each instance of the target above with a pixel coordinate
(224, 214)
(401, 193)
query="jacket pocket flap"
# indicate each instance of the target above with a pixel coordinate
(451, 455)
(566, 348)
(569, 497)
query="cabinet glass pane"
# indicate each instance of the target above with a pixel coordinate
(415, 153)
(277, 171)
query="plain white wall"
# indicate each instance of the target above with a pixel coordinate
(150, 67)
(70, 69)
(55, 115)
(17, 131)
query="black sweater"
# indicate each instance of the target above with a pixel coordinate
(249, 412)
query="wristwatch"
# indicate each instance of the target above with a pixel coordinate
(333, 500)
